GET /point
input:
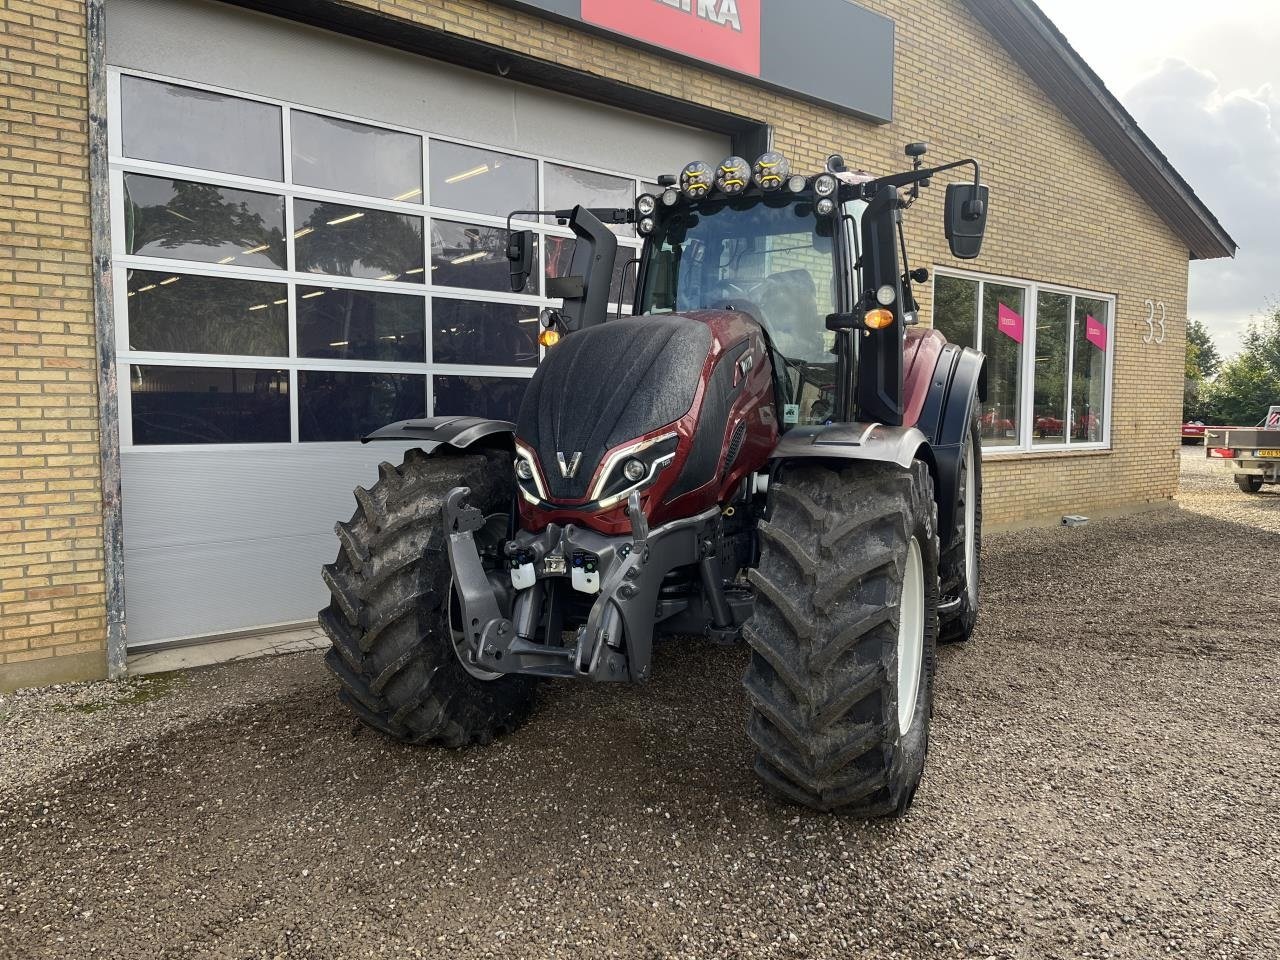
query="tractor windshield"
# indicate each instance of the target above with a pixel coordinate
(768, 257)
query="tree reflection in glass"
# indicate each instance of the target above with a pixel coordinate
(184, 313)
(185, 220)
(356, 242)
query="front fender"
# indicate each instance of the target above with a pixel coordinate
(872, 442)
(456, 432)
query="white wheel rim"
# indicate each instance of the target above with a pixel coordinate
(970, 521)
(910, 636)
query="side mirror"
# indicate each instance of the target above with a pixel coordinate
(520, 254)
(966, 219)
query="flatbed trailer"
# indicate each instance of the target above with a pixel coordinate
(1253, 452)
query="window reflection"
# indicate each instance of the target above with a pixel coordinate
(184, 313)
(355, 157)
(481, 181)
(492, 334)
(342, 405)
(361, 325)
(1089, 370)
(355, 242)
(185, 220)
(473, 256)
(955, 309)
(572, 186)
(169, 123)
(1002, 332)
(1053, 326)
(494, 397)
(208, 405)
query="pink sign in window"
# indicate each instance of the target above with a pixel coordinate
(1010, 323)
(1095, 332)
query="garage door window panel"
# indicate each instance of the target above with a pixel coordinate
(475, 180)
(189, 313)
(473, 256)
(1053, 338)
(349, 157)
(339, 406)
(186, 220)
(189, 127)
(494, 397)
(341, 324)
(569, 187)
(181, 405)
(347, 241)
(484, 334)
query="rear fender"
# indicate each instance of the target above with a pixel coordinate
(957, 387)
(455, 433)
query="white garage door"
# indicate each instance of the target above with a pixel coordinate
(308, 243)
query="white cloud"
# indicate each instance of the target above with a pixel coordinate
(1226, 144)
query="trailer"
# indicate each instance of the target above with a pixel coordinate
(1253, 452)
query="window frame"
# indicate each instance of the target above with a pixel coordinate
(292, 278)
(1027, 443)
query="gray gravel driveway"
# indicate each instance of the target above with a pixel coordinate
(1102, 783)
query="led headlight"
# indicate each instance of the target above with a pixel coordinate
(886, 295)
(634, 470)
(770, 171)
(825, 185)
(696, 180)
(670, 197)
(797, 183)
(825, 207)
(524, 469)
(733, 176)
(645, 226)
(646, 204)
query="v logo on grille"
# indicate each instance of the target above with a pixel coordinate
(569, 468)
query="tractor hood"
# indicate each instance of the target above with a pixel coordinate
(605, 385)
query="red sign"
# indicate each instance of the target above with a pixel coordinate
(1009, 322)
(1095, 332)
(723, 32)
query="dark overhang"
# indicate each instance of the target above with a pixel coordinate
(1043, 52)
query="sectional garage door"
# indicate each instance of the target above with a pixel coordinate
(308, 243)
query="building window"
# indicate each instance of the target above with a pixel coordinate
(1048, 358)
(286, 275)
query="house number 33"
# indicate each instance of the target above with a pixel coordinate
(1154, 306)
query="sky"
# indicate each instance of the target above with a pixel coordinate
(1203, 82)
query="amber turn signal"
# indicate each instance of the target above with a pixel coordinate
(549, 338)
(878, 319)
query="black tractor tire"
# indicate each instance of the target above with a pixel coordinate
(389, 614)
(1248, 484)
(957, 624)
(822, 680)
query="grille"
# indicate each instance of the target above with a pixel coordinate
(735, 443)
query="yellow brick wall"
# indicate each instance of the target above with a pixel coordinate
(52, 614)
(1059, 214)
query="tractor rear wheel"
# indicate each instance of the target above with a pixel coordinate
(392, 614)
(842, 641)
(1249, 484)
(961, 563)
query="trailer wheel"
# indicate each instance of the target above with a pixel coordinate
(961, 564)
(391, 612)
(1248, 484)
(840, 678)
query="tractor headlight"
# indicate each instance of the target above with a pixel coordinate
(797, 183)
(733, 176)
(825, 207)
(646, 204)
(825, 185)
(634, 470)
(696, 180)
(770, 171)
(524, 469)
(886, 295)
(645, 226)
(670, 197)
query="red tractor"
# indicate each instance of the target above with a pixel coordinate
(768, 449)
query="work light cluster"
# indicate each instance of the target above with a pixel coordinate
(732, 176)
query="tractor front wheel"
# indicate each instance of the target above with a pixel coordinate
(393, 620)
(842, 640)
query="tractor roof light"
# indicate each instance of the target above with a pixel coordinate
(878, 319)
(732, 176)
(645, 226)
(797, 182)
(825, 207)
(696, 180)
(645, 204)
(825, 185)
(885, 295)
(670, 197)
(770, 171)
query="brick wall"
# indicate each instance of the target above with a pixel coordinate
(52, 613)
(1059, 214)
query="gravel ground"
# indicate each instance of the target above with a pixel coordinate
(1102, 781)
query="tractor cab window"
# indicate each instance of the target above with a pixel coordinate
(770, 259)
